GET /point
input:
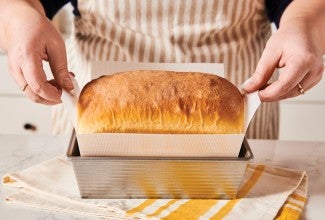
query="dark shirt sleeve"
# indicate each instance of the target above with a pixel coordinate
(275, 9)
(51, 7)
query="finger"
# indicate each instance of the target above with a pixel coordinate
(314, 76)
(33, 72)
(53, 82)
(296, 91)
(58, 62)
(20, 80)
(308, 82)
(72, 74)
(264, 70)
(290, 76)
(45, 57)
(16, 74)
(36, 98)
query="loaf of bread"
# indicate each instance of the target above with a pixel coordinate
(152, 101)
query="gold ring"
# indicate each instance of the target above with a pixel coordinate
(301, 90)
(23, 88)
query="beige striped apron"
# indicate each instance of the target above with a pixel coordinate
(233, 32)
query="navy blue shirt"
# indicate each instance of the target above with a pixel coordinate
(51, 7)
(274, 8)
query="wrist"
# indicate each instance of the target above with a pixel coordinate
(309, 18)
(10, 11)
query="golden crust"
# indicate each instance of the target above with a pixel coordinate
(150, 101)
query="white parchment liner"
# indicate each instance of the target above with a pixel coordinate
(158, 145)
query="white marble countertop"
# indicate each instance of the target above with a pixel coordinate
(21, 151)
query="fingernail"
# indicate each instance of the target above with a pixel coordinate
(242, 87)
(246, 82)
(261, 96)
(67, 84)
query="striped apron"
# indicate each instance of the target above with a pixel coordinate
(232, 32)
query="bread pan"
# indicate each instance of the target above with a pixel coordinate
(122, 177)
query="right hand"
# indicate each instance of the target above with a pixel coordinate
(29, 37)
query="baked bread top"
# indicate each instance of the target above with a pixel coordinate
(153, 101)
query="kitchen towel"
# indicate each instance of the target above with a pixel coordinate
(266, 192)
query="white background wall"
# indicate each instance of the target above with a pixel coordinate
(303, 117)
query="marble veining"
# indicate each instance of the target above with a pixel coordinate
(18, 152)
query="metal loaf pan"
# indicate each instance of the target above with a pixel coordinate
(158, 177)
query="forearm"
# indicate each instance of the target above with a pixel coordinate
(8, 11)
(311, 16)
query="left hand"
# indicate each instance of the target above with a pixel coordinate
(293, 49)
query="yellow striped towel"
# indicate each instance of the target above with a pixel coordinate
(265, 193)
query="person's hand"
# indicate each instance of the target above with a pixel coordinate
(297, 49)
(30, 38)
(293, 50)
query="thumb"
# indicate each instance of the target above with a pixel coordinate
(264, 70)
(58, 62)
